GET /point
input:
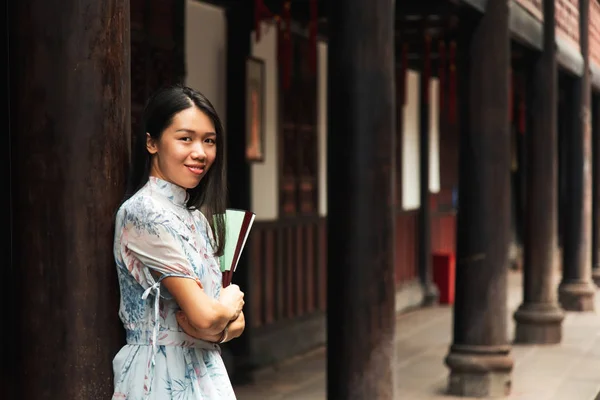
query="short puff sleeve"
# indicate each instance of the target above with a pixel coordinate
(152, 241)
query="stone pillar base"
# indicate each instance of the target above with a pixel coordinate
(576, 296)
(539, 324)
(596, 276)
(479, 371)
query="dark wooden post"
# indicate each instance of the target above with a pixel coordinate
(596, 190)
(70, 124)
(360, 165)
(479, 358)
(236, 354)
(539, 318)
(7, 296)
(576, 290)
(430, 292)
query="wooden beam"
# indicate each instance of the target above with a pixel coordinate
(528, 29)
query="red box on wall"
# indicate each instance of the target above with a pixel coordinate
(444, 274)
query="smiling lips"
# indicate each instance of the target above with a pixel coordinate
(196, 169)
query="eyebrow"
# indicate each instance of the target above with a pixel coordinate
(194, 132)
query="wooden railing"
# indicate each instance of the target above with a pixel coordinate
(443, 235)
(406, 247)
(288, 261)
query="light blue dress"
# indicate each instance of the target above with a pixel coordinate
(155, 231)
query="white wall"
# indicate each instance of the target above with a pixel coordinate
(205, 52)
(264, 176)
(411, 171)
(434, 136)
(322, 124)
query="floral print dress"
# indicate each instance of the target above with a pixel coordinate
(155, 232)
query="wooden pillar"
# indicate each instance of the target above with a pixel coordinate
(539, 318)
(576, 290)
(7, 295)
(236, 354)
(70, 124)
(596, 190)
(479, 358)
(430, 292)
(360, 165)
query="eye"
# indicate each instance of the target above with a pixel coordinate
(186, 139)
(211, 141)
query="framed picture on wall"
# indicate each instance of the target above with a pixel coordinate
(255, 100)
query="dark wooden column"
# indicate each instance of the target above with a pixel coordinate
(70, 124)
(360, 164)
(236, 353)
(430, 292)
(7, 295)
(539, 318)
(596, 190)
(479, 358)
(576, 290)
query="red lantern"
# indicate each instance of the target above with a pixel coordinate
(260, 12)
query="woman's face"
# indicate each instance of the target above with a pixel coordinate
(186, 149)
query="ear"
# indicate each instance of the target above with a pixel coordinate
(151, 144)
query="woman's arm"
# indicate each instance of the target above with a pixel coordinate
(204, 313)
(234, 329)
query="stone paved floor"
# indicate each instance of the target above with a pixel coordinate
(569, 371)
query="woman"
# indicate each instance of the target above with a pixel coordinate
(169, 234)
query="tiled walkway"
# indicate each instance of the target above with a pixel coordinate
(569, 371)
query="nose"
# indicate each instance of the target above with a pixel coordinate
(198, 152)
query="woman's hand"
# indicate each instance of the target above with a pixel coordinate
(236, 328)
(233, 297)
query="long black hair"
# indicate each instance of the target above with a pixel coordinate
(210, 196)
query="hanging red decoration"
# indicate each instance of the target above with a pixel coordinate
(313, 28)
(452, 117)
(442, 75)
(261, 12)
(427, 68)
